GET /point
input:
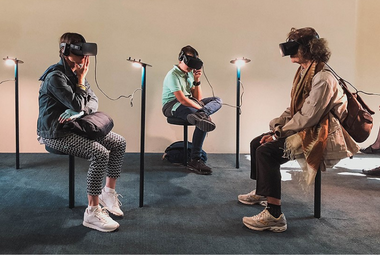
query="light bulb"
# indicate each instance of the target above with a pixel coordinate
(136, 64)
(9, 62)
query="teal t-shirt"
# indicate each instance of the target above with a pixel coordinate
(176, 80)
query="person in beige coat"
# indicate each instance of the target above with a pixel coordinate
(308, 130)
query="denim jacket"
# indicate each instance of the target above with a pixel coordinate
(58, 92)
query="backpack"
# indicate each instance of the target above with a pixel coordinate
(359, 121)
(174, 152)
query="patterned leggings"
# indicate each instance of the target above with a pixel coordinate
(105, 154)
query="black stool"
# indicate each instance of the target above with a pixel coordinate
(71, 174)
(317, 195)
(185, 124)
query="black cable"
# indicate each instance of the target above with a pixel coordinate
(204, 73)
(113, 99)
(5, 81)
(356, 90)
(212, 89)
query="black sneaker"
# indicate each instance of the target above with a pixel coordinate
(199, 167)
(201, 121)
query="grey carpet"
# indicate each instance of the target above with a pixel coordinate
(185, 213)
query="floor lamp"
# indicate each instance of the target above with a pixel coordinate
(142, 133)
(15, 62)
(238, 62)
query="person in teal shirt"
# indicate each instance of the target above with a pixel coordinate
(182, 98)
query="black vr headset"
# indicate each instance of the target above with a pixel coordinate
(289, 48)
(192, 62)
(80, 49)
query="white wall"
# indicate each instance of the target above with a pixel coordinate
(367, 58)
(155, 31)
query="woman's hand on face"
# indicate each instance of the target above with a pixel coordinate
(266, 139)
(82, 69)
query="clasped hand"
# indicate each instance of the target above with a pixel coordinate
(266, 138)
(69, 115)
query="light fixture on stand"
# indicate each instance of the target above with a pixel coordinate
(238, 62)
(16, 62)
(138, 63)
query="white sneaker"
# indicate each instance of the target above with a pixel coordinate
(99, 220)
(251, 198)
(111, 201)
(265, 220)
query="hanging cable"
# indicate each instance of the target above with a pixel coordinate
(5, 81)
(212, 89)
(114, 99)
(356, 90)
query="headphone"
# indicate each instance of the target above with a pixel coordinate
(191, 61)
(183, 56)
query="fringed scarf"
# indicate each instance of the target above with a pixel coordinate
(312, 140)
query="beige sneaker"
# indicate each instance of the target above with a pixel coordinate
(111, 201)
(99, 220)
(265, 220)
(251, 198)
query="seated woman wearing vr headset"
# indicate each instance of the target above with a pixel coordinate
(307, 130)
(182, 98)
(65, 93)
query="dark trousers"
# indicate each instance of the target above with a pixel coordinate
(211, 105)
(266, 160)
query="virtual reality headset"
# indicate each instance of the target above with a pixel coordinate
(80, 49)
(192, 62)
(289, 48)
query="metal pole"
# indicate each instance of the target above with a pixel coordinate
(17, 116)
(317, 195)
(142, 141)
(238, 117)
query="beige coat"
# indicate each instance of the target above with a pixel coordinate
(325, 95)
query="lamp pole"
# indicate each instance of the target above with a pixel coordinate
(239, 62)
(16, 62)
(142, 139)
(238, 112)
(142, 132)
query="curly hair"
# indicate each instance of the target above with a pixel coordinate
(311, 46)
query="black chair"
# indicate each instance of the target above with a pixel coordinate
(185, 124)
(71, 175)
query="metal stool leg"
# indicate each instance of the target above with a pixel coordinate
(185, 145)
(71, 181)
(317, 195)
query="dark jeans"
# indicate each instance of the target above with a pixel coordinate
(211, 105)
(266, 160)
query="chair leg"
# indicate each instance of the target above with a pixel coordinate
(185, 145)
(71, 181)
(317, 195)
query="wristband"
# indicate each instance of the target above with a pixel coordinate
(81, 86)
(196, 83)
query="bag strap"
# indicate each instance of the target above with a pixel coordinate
(342, 83)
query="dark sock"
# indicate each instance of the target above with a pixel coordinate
(274, 210)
